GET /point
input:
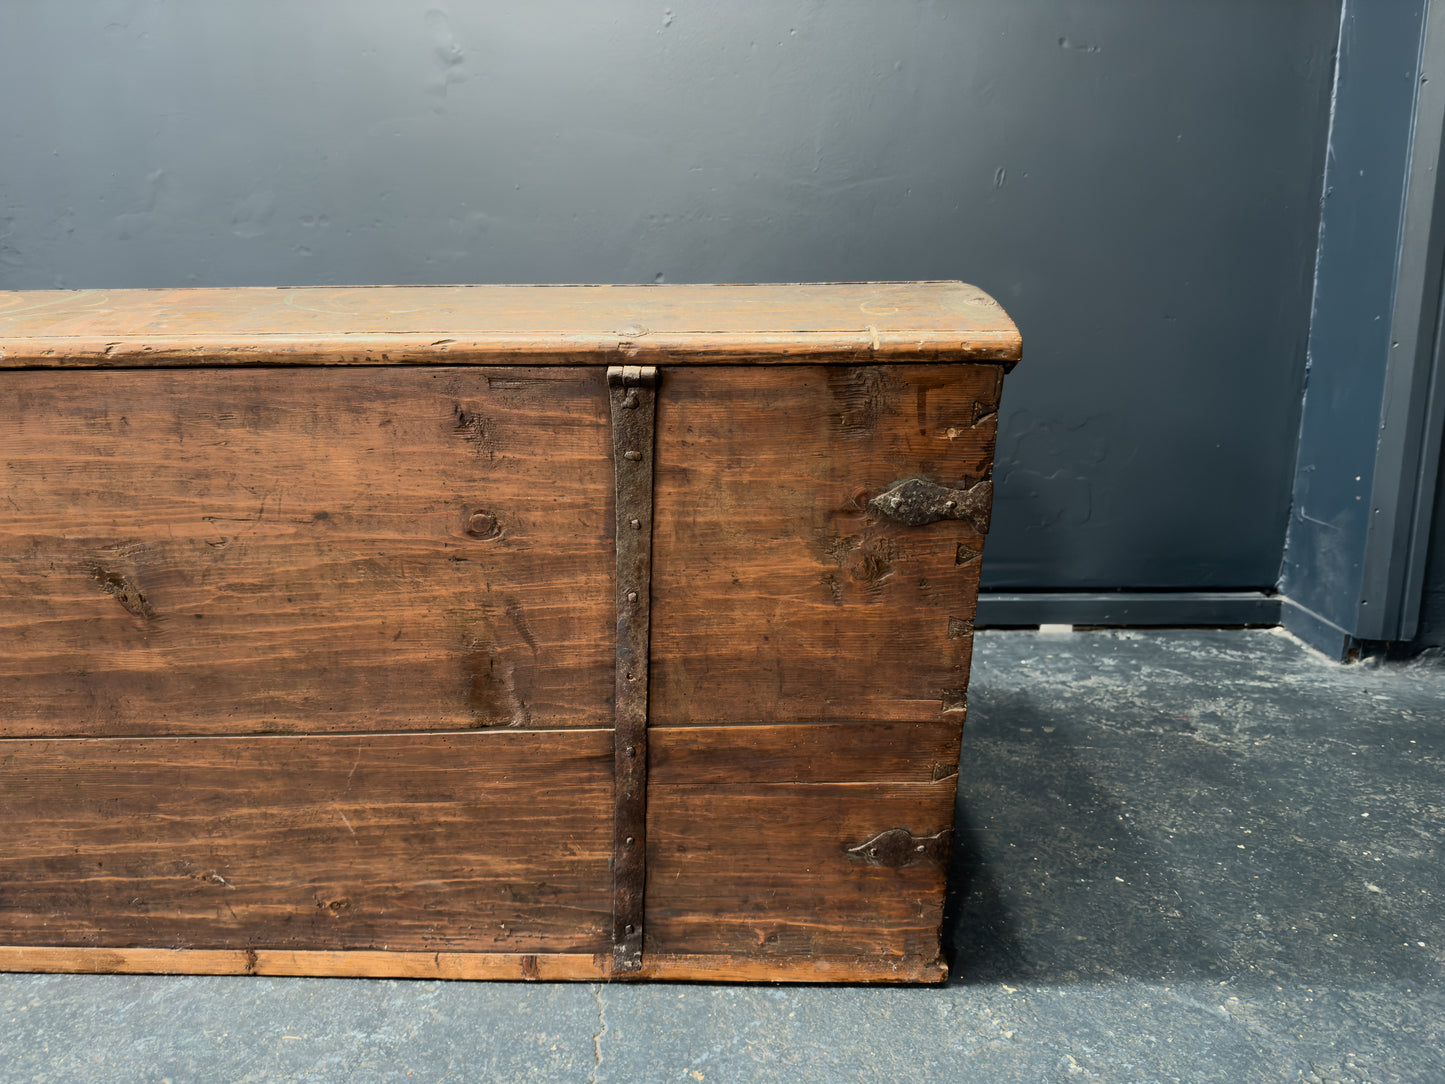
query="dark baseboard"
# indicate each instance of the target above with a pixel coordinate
(1025, 609)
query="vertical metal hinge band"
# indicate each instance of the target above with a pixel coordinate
(632, 392)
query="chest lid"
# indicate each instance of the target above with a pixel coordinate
(560, 325)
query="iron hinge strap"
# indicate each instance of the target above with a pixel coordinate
(632, 391)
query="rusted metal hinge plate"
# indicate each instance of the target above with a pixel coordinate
(898, 848)
(632, 390)
(918, 501)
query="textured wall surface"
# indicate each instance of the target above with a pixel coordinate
(1136, 181)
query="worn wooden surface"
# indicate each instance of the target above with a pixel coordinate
(482, 841)
(827, 753)
(527, 967)
(307, 656)
(474, 842)
(778, 594)
(672, 324)
(750, 826)
(235, 551)
(762, 869)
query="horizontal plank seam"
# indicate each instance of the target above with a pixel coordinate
(322, 734)
(684, 728)
(558, 360)
(881, 782)
(562, 361)
(405, 733)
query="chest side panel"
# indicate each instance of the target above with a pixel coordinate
(271, 550)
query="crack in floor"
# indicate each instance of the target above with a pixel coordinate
(601, 1031)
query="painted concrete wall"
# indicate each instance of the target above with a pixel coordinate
(1136, 181)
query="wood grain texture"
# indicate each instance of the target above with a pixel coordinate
(484, 841)
(527, 967)
(750, 827)
(762, 869)
(778, 595)
(310, 550)
(308, 619)
(824, 753)
(667, 324)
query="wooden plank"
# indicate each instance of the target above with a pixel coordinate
(761, 870)
(778, 594)
(547, 967)
(668, 324)
(307, 550)
(479, 841)
(678, 967)
(825, 753)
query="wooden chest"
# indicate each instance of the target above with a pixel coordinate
(489, 632)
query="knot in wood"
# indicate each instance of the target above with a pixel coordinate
(483, 525)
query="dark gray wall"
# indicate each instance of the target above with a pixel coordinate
(1136, 181)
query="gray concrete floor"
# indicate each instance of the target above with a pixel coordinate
(1183, 856)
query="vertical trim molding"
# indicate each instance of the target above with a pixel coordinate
(1369, 446)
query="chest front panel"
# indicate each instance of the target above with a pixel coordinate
(324, 668)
